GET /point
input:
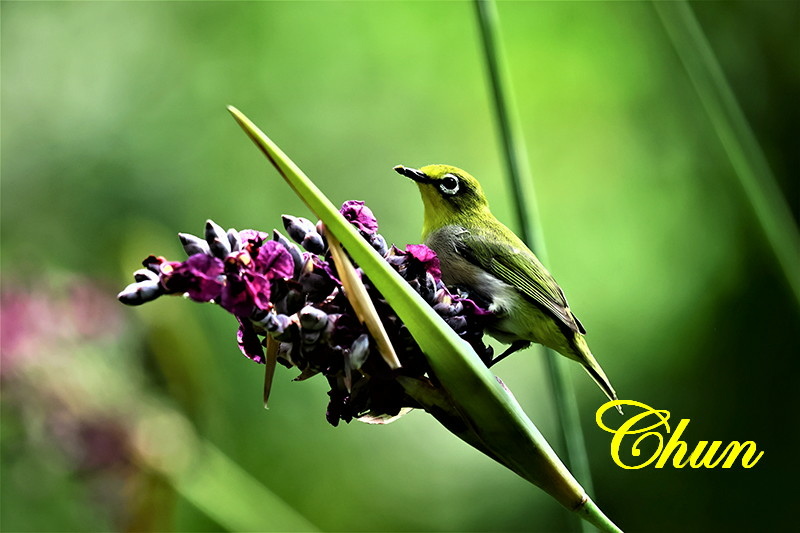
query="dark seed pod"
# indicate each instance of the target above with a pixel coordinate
(217, 240)
(140, 292)
(298, 227)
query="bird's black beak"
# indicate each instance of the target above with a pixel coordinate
(412, 173)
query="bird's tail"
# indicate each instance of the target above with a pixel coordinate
(592, 367)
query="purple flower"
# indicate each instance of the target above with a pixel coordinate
(427, 257)
(199, 276)
(248, 274)
(245, 287)
(360, 216)
(272, 260)
(274, 289)
(252, 236)
(318, 282)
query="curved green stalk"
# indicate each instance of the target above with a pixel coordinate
(517, 170)
(489, 417)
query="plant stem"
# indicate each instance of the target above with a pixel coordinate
(516, 162)
(738, 140)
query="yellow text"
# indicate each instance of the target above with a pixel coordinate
(645, 425)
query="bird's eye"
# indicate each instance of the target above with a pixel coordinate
(449, 184)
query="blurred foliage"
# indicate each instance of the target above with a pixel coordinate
(115, 137)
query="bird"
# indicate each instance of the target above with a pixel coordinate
(477, 252)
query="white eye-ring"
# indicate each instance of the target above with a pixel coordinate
(449, 184)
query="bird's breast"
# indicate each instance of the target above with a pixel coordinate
(456, 270)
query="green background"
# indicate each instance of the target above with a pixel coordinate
(115, 137)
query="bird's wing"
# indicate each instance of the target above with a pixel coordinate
(520, 269)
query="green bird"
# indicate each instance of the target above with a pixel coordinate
(478, 252)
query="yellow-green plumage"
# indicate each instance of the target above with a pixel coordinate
(477, 251)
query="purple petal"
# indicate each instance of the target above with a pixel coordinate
(471, 307)
(273, 260)
(254, 236)
(235, 298)
(245, 292)
(198, 276)
(248, 341)
(427, 257)
(360, 216)
(258, 287)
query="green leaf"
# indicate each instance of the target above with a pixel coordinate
(492, 420)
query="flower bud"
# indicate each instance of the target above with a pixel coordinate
(217, 240)
(304, 232)
(297, 227)
(294, 251)
(377, 241)
(427, 288)
(449, 309)
(359, 351)
(310, 338)
(397, 261)
(153, 264)
(458, 323)
(313, 319)
(193, 245)
(145, 274)
(285, 354)
(260, 315)
(234, 240)
(275, 322)
(314, 243)
(294, 301)
(140, 292)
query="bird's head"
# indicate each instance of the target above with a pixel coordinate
(449, 194)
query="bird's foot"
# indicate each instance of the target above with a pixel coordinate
(515, 347)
